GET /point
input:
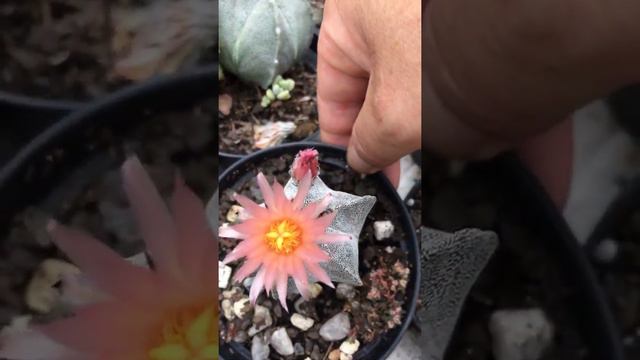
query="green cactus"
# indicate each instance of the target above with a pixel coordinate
(260, 39)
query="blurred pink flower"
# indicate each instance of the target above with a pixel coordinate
(281, 240)
(169, 312)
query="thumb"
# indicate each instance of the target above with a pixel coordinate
(383, 133)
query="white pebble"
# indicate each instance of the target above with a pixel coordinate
(234, 213)
(520, 334)
(41, 294)
(301, 322)
(227, 309)
(224, 274)
(315, 289)
(242, 307)
(344, 356)
(281, 342)
(261, 320)
(383, 229)
(336, 328)
(350, 346)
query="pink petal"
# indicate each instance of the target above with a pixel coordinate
(303, 190)
(153, 218)
(193, 230)
(281, 201)
(299, 275)
(271, 270)
(267, 192)
(314, 209)
(319, 273)
(105, 327)
(230, 232)
(312, 253)
(256, 286)
(251, 207)
(107, 269)
(241, 250)
(29, 344)
(324, 221)
(249, 266)
(282, 289)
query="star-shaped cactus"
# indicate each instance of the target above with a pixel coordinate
(351, 213)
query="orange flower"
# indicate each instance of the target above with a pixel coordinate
(169, 312)
(281, 240)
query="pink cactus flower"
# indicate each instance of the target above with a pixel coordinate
(281, 240)
(169, 312)
(305, 161)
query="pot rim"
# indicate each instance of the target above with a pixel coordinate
(405, 220)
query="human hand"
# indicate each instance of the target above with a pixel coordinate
(369, 83)
(504, 77)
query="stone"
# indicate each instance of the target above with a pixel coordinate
(350, 346)
(301, 322)
(336, 328)
(345, 291)
(281, 342)
(41, 294)
(247, 283)
(234, 213)
(298, 349)
(261, 320)
(259, 348)
(334, 355)
(520, 334)
(344, 356)
(224, 274)
(241, 336)
(315, 289)
(383, 229)
(227, 309)
(242, 307)
(234, 294)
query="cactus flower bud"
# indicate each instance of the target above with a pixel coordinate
(305, 161)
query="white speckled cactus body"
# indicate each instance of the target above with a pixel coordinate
(261, 39)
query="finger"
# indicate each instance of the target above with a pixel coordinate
(549, 156)
(342, 83)
(381, 134)
(392, 172)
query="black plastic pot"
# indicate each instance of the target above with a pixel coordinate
(625, 105)
(586, 301)
(334, 157)
(66, 146)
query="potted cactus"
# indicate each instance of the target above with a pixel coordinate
(267, 87)
(334, 272)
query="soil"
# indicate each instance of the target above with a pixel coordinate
(519, 276)
(236, 129)
(59, 49)
(92, 197)
(620, 279)
(376, 306)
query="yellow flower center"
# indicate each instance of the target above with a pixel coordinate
(188, 335)
(283, 236)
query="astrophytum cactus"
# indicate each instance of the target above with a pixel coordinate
(261, 39)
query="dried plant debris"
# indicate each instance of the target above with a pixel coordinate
(163, 37)
(238, 127)
(82, 49)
